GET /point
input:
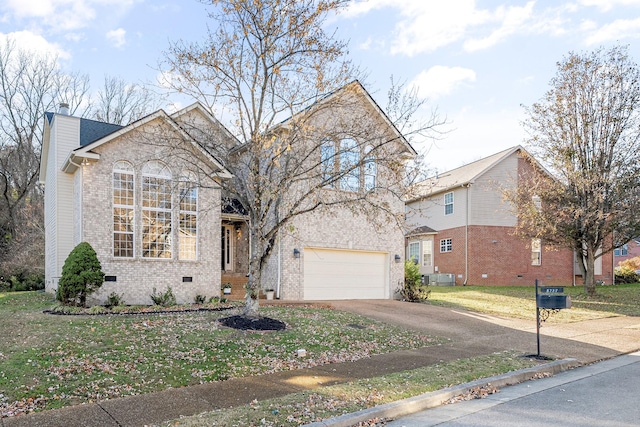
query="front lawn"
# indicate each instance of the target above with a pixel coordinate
(49, 361)
(520, 302)
(326, 402)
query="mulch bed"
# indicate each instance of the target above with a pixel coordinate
(245, 323)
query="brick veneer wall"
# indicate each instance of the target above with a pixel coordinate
(341, 228)
(502, 257)
(136, 277)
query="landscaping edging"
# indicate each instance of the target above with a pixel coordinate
(138, 313)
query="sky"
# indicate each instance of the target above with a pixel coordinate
(476, 62)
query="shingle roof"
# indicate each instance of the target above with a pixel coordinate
(459, 176)
(92, 130)
(421, 230)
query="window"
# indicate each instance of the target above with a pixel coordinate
(427, 253)
(370, 169)
(448, 203)
(123, 210)
(621, 251)
(536, 252)
(328, 158)
(446, 245)
(414, 251)
(188, 227)
(349, 161)
(341, 162)
(156, 210)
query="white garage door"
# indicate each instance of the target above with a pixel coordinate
(331, 274)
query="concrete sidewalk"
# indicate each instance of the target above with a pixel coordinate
(470, 335)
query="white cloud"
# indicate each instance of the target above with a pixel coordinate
(606, 5)
(425, 26)
(440, 80)
(31, 42)
(512, 20)
(617, 30)
(117, 37)
(63, 15)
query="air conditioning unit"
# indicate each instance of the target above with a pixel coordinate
(442, 279)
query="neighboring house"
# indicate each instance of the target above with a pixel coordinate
(627, 251)
(460, 224)
(155, 220)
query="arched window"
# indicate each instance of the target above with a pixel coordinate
(188, 227)
(328, 159)
(349, 165)
(156, 210)
(370, 169)
(123, 209)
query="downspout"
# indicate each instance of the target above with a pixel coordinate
(466, 240)
(279, 267)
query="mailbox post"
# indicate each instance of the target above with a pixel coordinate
(549, 299)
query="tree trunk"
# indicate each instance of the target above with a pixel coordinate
(252, 302)
(589, 277)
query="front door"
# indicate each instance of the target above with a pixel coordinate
(227, 248)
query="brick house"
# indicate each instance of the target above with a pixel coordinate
(460, 224)
(150, 216)
(629, 250)
(155, 220)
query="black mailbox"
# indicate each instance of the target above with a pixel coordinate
(554, 301)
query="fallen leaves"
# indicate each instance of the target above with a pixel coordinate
(90, 358)
(474, 393)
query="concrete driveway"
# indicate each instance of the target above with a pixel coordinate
(474, 334)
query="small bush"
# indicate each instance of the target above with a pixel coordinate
(214, 300)
(21, 280)
(413, 290)
(114, 300)
(81, 275)
(200, 299)
(98, 309)
(626, 271)
(165, 299)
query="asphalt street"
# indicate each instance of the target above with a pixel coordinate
(604, 394)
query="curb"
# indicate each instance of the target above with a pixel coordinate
(436, 398)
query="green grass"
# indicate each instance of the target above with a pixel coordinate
(519, 302)
(326, 402)
(49, 361)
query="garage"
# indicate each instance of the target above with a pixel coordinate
(332, 274)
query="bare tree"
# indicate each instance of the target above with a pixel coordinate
(121, 103)
(586, 130)
(305, 127)
(30, 84)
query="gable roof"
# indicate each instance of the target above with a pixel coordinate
(461, 176)
(408, 148)
(110, 132)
